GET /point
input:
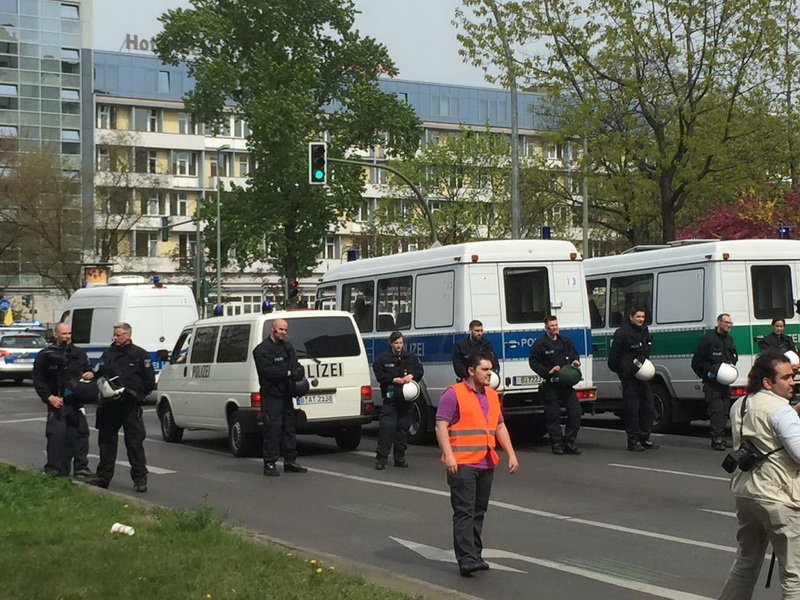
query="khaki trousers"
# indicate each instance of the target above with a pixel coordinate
(762, 523)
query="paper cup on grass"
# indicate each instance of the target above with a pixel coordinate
(123, 529)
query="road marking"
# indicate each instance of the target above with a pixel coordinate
(724, 513)
(150, 468)
(24, 420)
(438, 554)
(668, 472)
(534, 512)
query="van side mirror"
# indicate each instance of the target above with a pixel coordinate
(162, 355)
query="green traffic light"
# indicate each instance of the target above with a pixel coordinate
(319, 175)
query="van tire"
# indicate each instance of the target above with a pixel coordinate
(348, 439)
(663, 403)
(241, 443)
(169, 431)
(419, 432)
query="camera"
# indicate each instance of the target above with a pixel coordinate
(745, 458)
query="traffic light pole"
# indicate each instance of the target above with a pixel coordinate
(422, 202)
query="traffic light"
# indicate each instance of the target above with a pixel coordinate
(294, 289)
(317, 163)
(164, 229)
(27, 300)
(783, 232)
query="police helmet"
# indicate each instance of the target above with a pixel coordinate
(411, 391)
(646, 371)
(569, 375)
(300, 387)
(494, 380)
(727, 374)
(793, 357)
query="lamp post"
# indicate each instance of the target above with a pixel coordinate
(220, 150)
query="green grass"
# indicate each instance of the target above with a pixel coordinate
(55, 544)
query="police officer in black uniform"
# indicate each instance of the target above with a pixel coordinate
(713, 349)
(278, 369)
(57, 373)
(393, 369)
(133, 368)
(549, 353)
(474, 343)
(777, 341)
(631, 346)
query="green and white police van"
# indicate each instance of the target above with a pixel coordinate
(684, 286)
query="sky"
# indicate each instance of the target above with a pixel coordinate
(418, 33)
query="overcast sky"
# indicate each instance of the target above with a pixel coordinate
(418, 33)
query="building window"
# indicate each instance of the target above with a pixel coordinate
(146, 244)
(163, 82)
(70, 11)
(106, 116)
(70, 61)
(8, 131)
(244, 165)
(103, 160)
(330, 246)
(183, 204)
(70, 141)
(8, 90)
(153, 208)
(152, 161)
(184, 163)
(71, 95)
(239, 128)
(184, 123)
(154, 120)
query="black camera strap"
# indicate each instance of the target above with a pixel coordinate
(742, 412)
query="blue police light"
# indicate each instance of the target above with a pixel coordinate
(266, 307)
(218, 310)
(545, 232)
(156, 279)
(84, 283)
(783, 232)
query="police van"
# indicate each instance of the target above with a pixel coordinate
(431, 296)
(157, 313)
(210, 381)
(684, 286)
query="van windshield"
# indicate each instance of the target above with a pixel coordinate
(321, 337)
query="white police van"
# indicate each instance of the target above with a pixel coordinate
(157, 313)
(210, 381)
(431, 296)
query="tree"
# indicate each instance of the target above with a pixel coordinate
(673, 96)
(40, 217)
(295, 70)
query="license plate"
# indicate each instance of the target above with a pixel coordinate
(314, 399)
(23, 360)
(526, 380)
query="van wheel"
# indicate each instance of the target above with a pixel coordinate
(241, 443)
(169, 431)
(420, 417)
(663, 403)
(348, 439)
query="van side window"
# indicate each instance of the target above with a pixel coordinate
(82, 325)
(435, 300)
(627, 292)
(527, 294)
(234, 343)
(179, 352)
(394, 303)
(680, 296)
(596, 289)
(65, 317)
(326, 298)
(772, 291)
(358, 299)
(205, 342)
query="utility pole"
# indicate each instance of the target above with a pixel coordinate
(585, 191)
(219, 221)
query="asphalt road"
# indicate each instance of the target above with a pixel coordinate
(609, 524)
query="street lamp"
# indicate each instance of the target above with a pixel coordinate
(220, 150)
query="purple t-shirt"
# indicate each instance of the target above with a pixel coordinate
(448, 411)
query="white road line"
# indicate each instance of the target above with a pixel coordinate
(534, 512)
(24, 420)
(669, 472)
(150, 468)
(724, 513)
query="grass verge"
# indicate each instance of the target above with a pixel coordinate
(55, 544)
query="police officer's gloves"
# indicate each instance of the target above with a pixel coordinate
(298, 372)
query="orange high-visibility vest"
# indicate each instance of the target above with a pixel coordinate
(474, 435)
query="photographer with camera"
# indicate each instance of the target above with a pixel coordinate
(279, 375)
(766, 436)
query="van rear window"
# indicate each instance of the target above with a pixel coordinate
(321, 337)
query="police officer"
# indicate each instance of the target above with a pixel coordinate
(133, 370)
(57, 371)
(549, 353)
(777, 341)
(713, 349)
(474, 343)
(393, 369)
(629, 348)
(278, 369)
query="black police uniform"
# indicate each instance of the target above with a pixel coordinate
(713, 349)
(776, 343)
(57, 370)
(395, 418)
(630, 343)
(277, 367)
(466, 347)
(545, 355)
(134, 369)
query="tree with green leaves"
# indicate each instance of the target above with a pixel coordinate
(296, 70)
(672, 96)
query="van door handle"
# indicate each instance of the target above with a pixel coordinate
(512, 344)
(184, 371)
